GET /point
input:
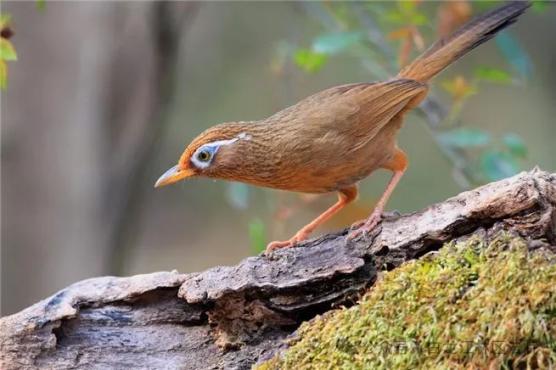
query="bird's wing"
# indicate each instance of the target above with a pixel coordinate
(379, 104)
(355, 111)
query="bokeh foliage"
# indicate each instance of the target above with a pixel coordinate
(376, 32)
(7, 50)
(384, 36)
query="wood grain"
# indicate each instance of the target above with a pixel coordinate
(231, 317)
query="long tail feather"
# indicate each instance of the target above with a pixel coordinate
(446, 51)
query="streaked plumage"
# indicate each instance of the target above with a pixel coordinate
(331, 140)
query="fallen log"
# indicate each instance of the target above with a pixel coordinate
(232, 317)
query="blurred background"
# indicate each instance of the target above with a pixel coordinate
(104, 97)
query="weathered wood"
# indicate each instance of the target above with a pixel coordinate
(231, 317)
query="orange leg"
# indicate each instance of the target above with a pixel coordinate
(398, 165)
(345, 196)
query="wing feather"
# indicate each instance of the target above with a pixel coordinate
(358, 110)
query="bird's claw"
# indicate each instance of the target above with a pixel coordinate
(357, 224)
(363, 227)
(272, 246)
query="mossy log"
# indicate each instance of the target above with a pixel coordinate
(234, 317)
(472, 305)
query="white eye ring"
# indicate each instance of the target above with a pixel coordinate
(203, 156)
(211, 149)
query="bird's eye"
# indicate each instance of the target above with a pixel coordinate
(204, 156)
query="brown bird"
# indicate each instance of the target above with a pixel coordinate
(335, 138)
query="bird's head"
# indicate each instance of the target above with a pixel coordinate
(214, 153)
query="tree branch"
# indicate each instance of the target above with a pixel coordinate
(169, 21)
(232, 317)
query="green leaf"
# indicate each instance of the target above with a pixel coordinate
(333, 43)
(237, 195)
(494, 75)
(498, 165)
(308, 60)
(514, 53)
(418, 19)
(40, 5)
(394, 16)
(7, 51)
(3, 75)
(406, 6)
(257, 235)
(406, 13)
(5, 19)
(483, 6)
(459, 88)
(515, 145)
(540, 5)
(465, 138)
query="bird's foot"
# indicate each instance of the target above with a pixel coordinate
(357, 224)
(272, 246)
(365, 226)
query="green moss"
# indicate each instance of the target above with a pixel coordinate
(470, 306)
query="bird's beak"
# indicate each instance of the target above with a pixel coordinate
(173, 175)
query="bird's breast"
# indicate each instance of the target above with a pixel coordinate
(318, 170)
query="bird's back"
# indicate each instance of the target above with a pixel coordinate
(336, 137)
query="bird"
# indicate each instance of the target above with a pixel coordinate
(333, 139)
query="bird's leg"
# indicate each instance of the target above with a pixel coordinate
(345, 196)
(398, 165)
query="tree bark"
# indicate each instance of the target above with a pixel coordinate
(233, 317)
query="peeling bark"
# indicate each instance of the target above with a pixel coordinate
(232, 317)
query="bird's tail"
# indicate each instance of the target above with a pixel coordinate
(447, 50)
